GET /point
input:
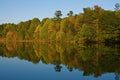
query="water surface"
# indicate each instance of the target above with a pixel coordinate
(36, 61)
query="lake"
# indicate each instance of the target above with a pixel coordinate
(38, 61)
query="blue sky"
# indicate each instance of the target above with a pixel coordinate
(14, 11)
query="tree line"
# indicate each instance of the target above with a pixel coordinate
(93, 25)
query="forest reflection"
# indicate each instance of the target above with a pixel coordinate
(92, 59)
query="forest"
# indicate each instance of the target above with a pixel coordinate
(93, 25)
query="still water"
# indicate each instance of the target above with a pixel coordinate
(35, 61)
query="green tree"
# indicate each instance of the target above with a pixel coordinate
(37, 33)
(34, 23)
(70, 13)
(44, 31)
(117, 7)
(58, 14)
(86, 34)
(22, 30)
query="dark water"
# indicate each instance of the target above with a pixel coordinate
(35, 61)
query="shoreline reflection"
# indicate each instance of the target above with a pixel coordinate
(92, 59)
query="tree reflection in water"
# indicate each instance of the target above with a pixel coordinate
(92, 59)
(58, 68)
(117, 76)
(70, 68)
